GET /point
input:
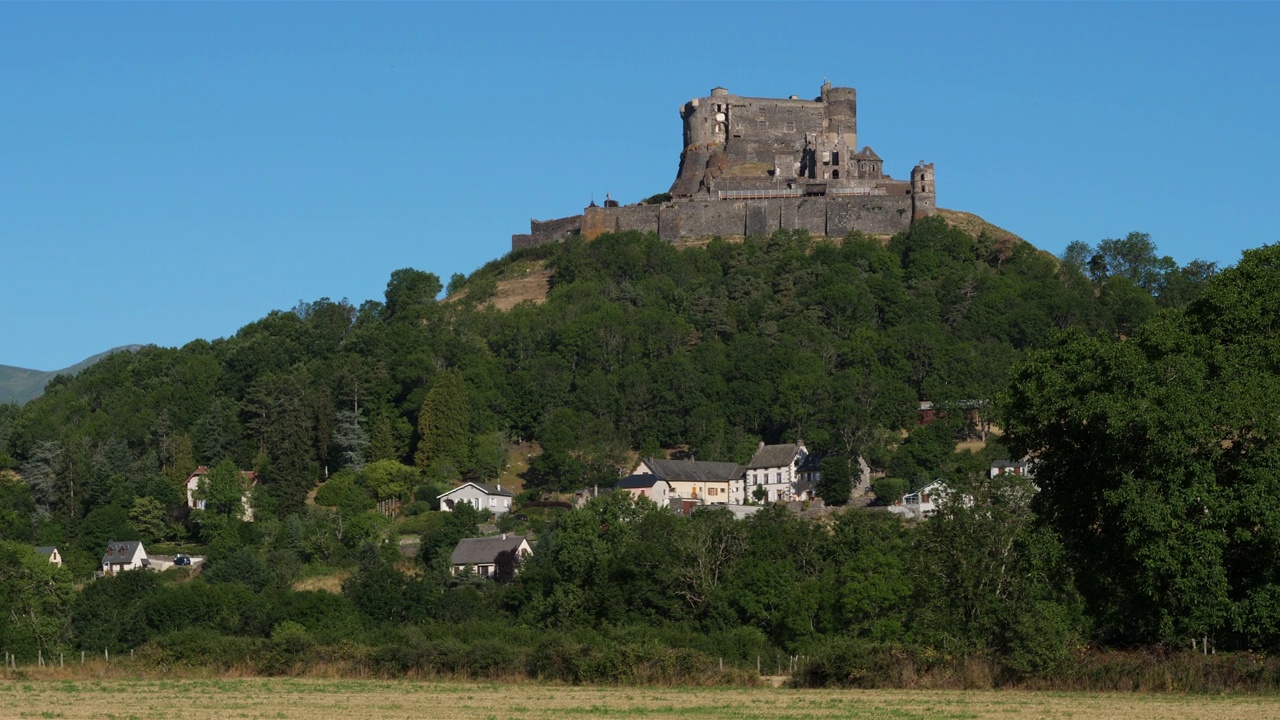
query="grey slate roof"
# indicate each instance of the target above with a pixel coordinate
(693, 470)
(486, 487)
(771, 456)
(120, 552)
(46, 550)
(643, 480)
(483, 551)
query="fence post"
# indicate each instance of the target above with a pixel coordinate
(39, 657)
(60, 663)
(757, 664)
(106, 655)
(81, 657)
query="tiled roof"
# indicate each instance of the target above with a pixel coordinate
(472, 551)
(642, 480)
(771, 456)
(119, 552)
(693, 470)
(484, 487)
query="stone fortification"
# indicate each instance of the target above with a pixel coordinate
(751, 166)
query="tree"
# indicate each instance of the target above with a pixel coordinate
(351, 439)
(149, 518)
(835, 484)
(17, 508)
(411, 295)
(444, 426)
(996, 580)
(35, 602)
(44, 472)
(382, 444)
(388, 479)
(1154, 458)
(223, 491)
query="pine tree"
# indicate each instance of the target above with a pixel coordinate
(444, 426)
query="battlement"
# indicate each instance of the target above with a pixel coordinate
(754, 165)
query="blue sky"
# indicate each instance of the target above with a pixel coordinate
(175, 171)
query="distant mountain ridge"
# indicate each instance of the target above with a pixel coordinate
(18, 385)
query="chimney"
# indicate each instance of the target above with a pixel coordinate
(499, 487)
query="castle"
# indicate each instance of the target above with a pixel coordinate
(751, 166)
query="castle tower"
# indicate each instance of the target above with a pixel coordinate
(924, 199)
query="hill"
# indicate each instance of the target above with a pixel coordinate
(19, 385)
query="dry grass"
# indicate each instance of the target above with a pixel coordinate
(309, 699)
(975, 226)
(328, 583)
(532, 287)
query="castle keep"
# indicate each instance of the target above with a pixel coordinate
(751, 166)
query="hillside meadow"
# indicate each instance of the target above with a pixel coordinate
(356, 699)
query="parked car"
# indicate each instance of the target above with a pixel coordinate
(181, 560)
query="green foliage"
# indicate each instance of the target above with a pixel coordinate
(439, 539)
(1155, 463)
(444, 424)
(642, 345)
(889, 490)
(343, 491)
(836, 480)
(388, 479)
(35, 602)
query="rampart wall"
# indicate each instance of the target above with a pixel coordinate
(820, 216)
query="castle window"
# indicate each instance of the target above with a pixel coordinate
(835, 158)
(762, 125)
(791, 127)
(835, 174)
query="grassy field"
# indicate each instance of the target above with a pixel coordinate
(315, 698)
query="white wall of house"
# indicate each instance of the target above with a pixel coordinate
(477, 498)
(713, 492)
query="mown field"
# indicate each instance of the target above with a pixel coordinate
(313, 698)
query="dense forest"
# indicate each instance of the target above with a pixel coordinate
(1140, 387)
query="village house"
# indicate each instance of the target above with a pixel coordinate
(649, 486)
(52, 553)
(122, 556)
(481, 555)
(774, 475)
(481, 496)
(707, 483)
(1021, 468)
(195, 491)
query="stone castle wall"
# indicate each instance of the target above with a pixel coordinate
(796, 161)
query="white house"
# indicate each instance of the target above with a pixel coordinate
(122, 556)
(480, 555)
(1021, 468)
(649, 486)
(707, 482)
(195, 485)
(480, 496)
(924, 501)
(774, 475)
